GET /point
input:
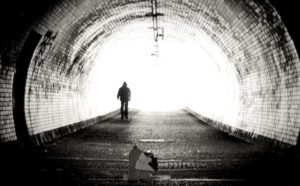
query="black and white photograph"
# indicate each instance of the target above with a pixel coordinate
(149, 92)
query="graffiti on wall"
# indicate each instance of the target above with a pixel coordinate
(44, 49)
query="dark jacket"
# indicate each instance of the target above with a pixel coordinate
(124, 93)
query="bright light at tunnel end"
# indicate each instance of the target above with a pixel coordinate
(185, 73)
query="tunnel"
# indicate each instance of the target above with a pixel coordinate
(232, 64)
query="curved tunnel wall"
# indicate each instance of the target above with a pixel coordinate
(251, 34)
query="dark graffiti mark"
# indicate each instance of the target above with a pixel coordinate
(78, 62)
(42, 53)
(44, 48)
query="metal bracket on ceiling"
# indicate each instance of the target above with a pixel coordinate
(158, 32)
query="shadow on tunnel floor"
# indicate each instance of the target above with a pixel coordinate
(21, 166)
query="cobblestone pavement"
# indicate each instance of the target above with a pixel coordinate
(189, 152)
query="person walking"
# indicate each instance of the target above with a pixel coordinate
(124, 95)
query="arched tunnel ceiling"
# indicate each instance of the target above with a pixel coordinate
(223, 21)
(180, 19)
(93, 22)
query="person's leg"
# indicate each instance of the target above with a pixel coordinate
(126, 109)
(122, 110)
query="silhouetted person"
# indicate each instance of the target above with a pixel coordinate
(124, 94)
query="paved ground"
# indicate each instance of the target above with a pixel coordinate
(189, 152)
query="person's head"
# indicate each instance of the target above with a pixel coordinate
(124, 84)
